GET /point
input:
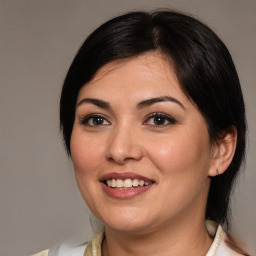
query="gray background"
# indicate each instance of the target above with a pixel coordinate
(39, 202)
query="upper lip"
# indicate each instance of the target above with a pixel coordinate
(123, 176)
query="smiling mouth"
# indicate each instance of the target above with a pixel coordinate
(127, 183)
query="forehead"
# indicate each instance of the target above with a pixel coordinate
(147, 75)
(150, 62)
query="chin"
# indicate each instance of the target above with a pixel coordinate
(127, 221)
(128, 227)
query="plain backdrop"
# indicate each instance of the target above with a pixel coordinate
(40, 204)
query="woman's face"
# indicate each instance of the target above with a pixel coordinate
(140, 148)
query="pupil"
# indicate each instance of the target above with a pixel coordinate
(97, 120)
(159, 120)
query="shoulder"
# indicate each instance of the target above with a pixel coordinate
(228, 248)
(64, 250)
(224, 249)
(42, 253)
(220, 244)
(76, 250)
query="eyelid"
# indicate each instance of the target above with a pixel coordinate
(84, 119)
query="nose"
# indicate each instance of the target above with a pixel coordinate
(124, 145)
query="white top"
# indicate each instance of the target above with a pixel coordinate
(218, 247)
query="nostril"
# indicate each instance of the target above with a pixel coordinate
(121, 159)
(123, 144)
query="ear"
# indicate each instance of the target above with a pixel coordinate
(223, 151)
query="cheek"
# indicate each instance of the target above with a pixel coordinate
(85, 153)
(182, 164)
(182, 153)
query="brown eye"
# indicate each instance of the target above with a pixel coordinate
(159, 119)
(94, 120)
(98, 120)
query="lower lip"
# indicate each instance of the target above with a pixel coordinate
(127, 193)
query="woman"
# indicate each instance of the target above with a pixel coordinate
(153, 117)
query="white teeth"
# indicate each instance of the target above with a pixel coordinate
(119, 183)
(113, 183)
(127, 183)
(135, 183)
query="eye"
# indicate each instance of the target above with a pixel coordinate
(94, 120)
(159, 119)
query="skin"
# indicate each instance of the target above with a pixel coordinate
(176, 155)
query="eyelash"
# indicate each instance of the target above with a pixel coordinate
(165, 117)
(92, 117)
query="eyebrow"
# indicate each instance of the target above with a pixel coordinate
(149, 102)
(140, 105)
(99, 103)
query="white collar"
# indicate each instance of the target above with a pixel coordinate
(215, 231)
